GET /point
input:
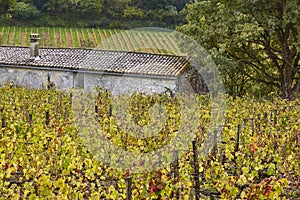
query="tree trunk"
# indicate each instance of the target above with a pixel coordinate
(286, 79)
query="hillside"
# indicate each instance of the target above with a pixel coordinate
(139, 40)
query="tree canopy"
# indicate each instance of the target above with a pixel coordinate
(5, 5)
(167, 11)
(254, 42)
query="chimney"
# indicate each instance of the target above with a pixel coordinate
(34, 46)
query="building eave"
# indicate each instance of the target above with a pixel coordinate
(61, 69)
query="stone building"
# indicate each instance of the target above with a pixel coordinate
(117, 71)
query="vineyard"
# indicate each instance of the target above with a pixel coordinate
(43, 157)
(137, 40)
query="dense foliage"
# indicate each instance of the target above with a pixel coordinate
(256, 44)
(42, 155)
(104, 13)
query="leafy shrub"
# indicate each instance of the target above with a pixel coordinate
(25, 11)
(132, 12)
(104, 22)
(116, 25)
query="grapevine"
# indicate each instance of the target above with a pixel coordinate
(50, 160)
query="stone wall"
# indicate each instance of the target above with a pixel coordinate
(128, 84)
(65, 80)
(31, 78)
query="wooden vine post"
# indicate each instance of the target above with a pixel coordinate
(97, 112)
(252, 125)
(275, 117)
(258, 124)
(196, 170)
(237, 141)
(110, 110)
(71, 98)
(30, 119)
(128, 188)
(215, 144)
(176, 173)
(244, 127)
(47, 118)
(3, 122)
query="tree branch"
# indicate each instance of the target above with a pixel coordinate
(246, 61)
(262, 68)
(267, 42)
(297, 85)
(261, 80)
(269, 50)
(296, 65)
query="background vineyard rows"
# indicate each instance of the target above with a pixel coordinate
(42, 156)
(112, 39)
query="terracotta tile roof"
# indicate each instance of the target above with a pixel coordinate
(99, 60)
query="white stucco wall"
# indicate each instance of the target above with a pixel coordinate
(128, 84)
(36, 78)
(118, 84)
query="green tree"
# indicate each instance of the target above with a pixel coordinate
(260, 38)
(25, 11)
(89, 7)
(115, 8)
(40, 3)
(6, 5)
(132, 12)
(59, 6)
(180, 4)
